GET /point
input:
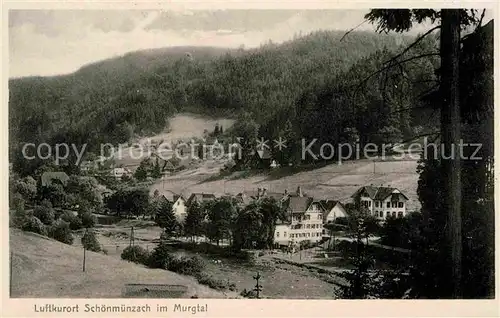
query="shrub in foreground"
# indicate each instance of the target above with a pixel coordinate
(45, 213)
(214, 283)
(61, 232)
(248, 293)
(18, 217)
(90, 242)
(75, 223)
(136, 254)
(33, 224)
(186, 265)
(88, 219)
(161, 256)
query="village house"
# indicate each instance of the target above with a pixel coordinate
(381, 202)
(304, 220)
(118, 173)
(246, 197)
(49, 178)
(200, 198)
(178, 204)
(88, 166)
(332, 210)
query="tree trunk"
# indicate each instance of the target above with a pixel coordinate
(450, 134)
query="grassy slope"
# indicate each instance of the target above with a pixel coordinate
(46, 268)
(181, 127)
(333, 181)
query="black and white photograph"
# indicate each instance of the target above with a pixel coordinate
(293, 154)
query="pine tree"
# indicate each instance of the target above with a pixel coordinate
(194, 220)
(165, 218)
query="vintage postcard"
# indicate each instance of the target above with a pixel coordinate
(198, 159)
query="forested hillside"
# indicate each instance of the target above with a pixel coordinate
(309, 87)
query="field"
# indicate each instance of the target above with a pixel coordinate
(279, 280)
(334, 181)
(181, 127)
(42, 267)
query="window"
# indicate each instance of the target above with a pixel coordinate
(308, 234)
(393, 214)
(308, 226)
(284, 234)
(387, 214)
(376, 204)
(400, 204)
(277, 234)
(400, 214)
(388, 204)
(369, 203)
(381, 214)
(394, 204)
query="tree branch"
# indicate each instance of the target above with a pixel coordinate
(419, 136)
(408, 108)
(351, 30)
(392, 65)
(480, 20)
(427, 91)
(420, 38)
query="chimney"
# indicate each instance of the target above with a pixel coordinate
(299, 191)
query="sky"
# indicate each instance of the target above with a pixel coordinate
(51, 42)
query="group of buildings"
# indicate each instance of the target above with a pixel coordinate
(306, 216)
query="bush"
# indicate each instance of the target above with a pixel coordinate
(136, 254)
(161, 256)
(186, 265)
(213, 283)
(61, 231)
(45, 214)
(75, 223)
(248, 293)
(305, 244)
(33, 224)
(342, 221)
(18, 217)
(90, 242)
(88, 219)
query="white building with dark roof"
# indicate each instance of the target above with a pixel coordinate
(381, 202)
(304, 221)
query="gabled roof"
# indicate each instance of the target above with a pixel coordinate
(201, 197)
(370, 190)
(383, 192)
(298, 204)
(377, 193)
(329, 204)
(47, 177)
(247, 197)
(263, 153)
(170, 195)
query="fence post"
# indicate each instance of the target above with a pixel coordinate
(258, 287)
(10, 274)
(83, 245)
